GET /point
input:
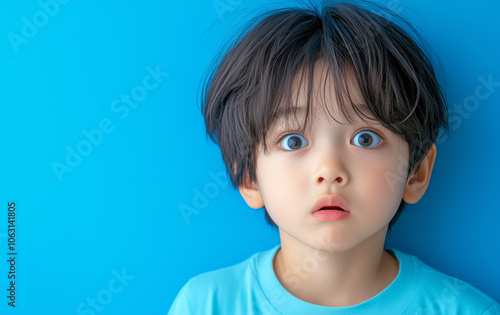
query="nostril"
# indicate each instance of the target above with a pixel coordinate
(322, 179)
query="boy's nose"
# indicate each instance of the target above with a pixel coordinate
(331, 170)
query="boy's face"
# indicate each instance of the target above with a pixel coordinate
(349, 164)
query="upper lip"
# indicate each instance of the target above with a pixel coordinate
(332, 202)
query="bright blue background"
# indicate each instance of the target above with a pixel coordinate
(119, 208)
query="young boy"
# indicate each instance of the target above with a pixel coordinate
(327, 118)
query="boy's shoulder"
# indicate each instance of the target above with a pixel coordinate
(434, 292)
(229, 290)
(232, 276)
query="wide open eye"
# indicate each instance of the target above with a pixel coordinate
(366, 139)
(293, 141)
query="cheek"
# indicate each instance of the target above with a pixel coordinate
(280, 185)
(382, 184)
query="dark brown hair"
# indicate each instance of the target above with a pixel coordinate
(255, 77)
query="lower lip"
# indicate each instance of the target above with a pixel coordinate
(331, 215)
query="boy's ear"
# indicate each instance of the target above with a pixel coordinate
(418, 181)
(250, 192)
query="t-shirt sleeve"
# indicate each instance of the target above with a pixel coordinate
(181, 305)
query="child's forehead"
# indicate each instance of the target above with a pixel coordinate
(320, 94)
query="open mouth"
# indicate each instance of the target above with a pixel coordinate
(331, 208)
(330, 205)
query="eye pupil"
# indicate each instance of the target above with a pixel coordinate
(294, 142)
(365, 139)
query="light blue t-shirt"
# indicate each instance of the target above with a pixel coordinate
(251, 287)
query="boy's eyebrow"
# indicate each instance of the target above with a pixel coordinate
(299, 111)
(282, 115)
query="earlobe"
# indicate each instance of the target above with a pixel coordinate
(418, 181)
(250, 192)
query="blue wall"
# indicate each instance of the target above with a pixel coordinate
(103, 144)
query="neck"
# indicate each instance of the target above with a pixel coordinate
(335, 278)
